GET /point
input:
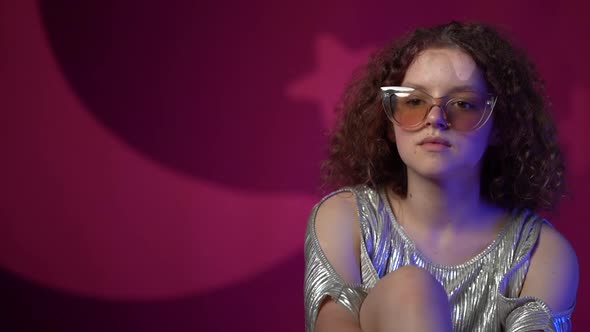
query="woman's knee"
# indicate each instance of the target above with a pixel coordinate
(411, 281)
(406, 287)
(406, 292)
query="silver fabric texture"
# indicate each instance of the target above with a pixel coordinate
(483, 292)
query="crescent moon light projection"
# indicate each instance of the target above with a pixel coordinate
(84, 212)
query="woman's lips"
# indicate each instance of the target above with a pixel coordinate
(435, 144)
(435, 140)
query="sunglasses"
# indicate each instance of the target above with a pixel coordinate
(464, 111)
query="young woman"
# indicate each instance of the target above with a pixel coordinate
(445, 149)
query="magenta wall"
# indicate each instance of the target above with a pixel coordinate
(159, 159)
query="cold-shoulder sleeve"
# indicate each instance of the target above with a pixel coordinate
(520, 314)
(321, 280)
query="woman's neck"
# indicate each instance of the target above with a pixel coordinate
(444, 205)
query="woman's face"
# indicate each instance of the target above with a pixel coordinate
(443, 72)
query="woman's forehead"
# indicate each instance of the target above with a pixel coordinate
(445, 69)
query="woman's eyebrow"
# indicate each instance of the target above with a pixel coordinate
(459, 88)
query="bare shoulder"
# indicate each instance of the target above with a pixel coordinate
(336, 208)
(337, 229)
(553, 273)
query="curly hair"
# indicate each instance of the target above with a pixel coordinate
(525, 169)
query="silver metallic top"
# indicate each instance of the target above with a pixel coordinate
(482, 298)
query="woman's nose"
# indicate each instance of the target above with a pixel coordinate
(436, 117)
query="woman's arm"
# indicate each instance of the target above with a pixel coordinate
(337, 229)
(333, 317)
(553, 272)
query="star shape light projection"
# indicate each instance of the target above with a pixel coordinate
(325, 83)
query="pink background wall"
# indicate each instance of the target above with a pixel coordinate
(159, 159)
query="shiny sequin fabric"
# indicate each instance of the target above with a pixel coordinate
(483, 291)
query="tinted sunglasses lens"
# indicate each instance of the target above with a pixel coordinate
(410, 108)
(467, 113)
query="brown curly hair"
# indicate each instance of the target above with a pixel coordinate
(525, 169)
